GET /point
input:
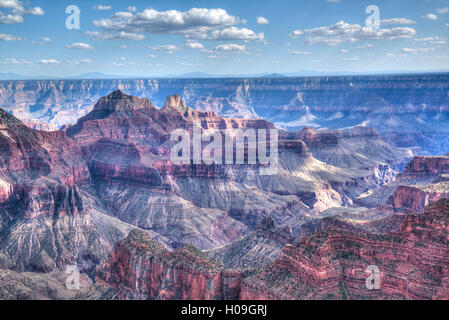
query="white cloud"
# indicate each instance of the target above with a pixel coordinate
(396, 56)
(9, 4)
(350, 58)
(79, 45)
(115, 36)
(45, 40)
(132, 9)
(17, 11)
(298, 52)
(49, 61)
(79, 61)
(296, 34)
(36, 11)
(169, 48)
(150, 56)
(431, 40)
(333, 1)
(391, 21)
(345, 32)
(102, 7)
(194, 45)
(16, 61)
(195, 23)
(430, 16)
(231, 47)
(10, 18)
(443, 10)
(169, 22)
(343, 51)
(368, 45)
(416, 50)
(229, 34)
(262, 20)
(9, 37)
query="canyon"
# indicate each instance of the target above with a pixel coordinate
(406, 110)
(102, 193)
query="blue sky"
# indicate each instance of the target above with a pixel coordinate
(156, 38)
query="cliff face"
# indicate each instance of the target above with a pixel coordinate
(330, 264)
(140, 268)
(423, 180)
(407, 110)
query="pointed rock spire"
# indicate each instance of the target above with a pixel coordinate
(118, 100)
(175, 102)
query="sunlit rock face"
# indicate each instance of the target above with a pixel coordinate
(331, 264)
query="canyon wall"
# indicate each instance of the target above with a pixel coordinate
(407, 110)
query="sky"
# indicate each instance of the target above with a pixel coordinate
(158, 38)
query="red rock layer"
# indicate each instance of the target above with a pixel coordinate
(140, 268)
(413, 263)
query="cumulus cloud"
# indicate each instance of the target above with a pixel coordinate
(229, 34)
(17, 11)
(195, 23)
(9, 37)
(169, 48)
(362, 46)
(76, 62)
(16, 61)
(132, 9)
(430, 16)
(49, 61)
(431, 40)
(231, 47)
(346, 32)
(150, 56)
(17, 7)
(45, 40)
(296, 34)
(396, 56)
(79, 45)
(102, 7)
(343, 51)
(10, 18)
(262, 20)
(194, 45)
(96, 35)
(299, 52)
(443, 10)
(391, 21)
(168, 22)
(9, 4)
(417, 50)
